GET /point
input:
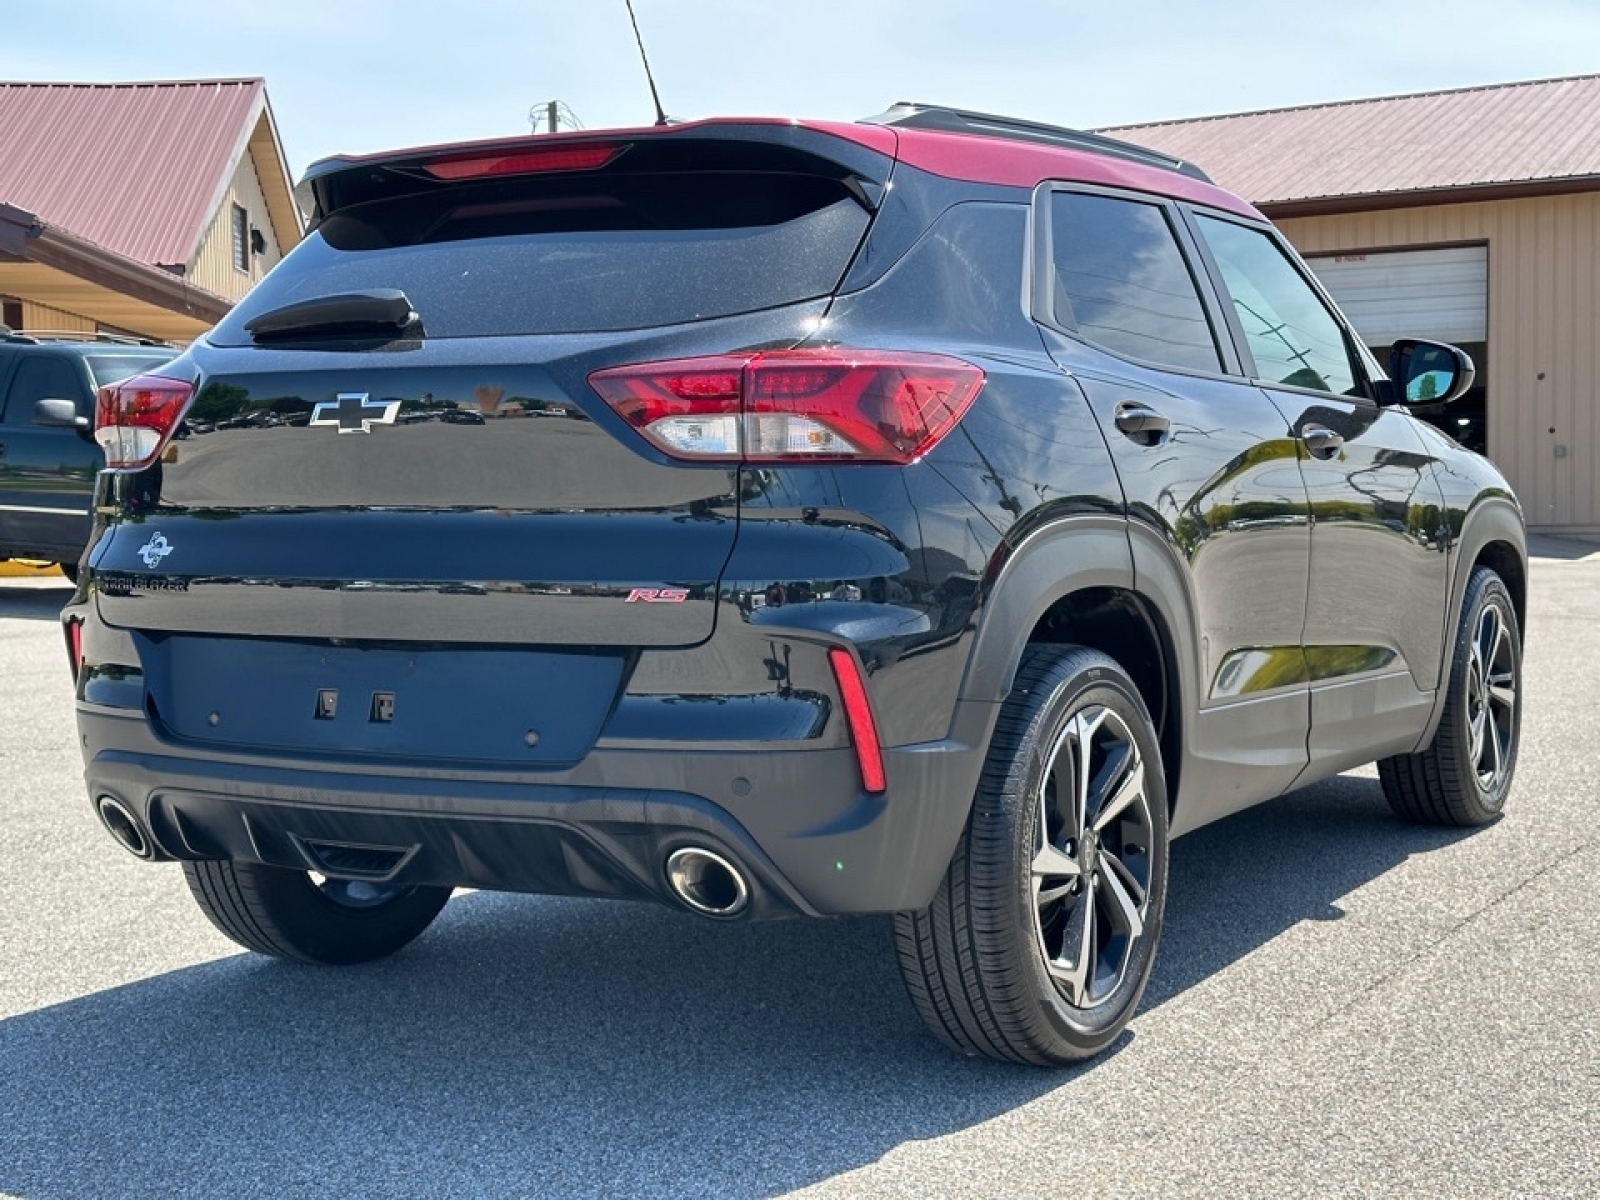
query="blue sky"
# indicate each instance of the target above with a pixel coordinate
(363, 75)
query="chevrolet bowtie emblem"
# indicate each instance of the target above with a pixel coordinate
(355, 413)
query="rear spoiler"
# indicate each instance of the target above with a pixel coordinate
(862, 156)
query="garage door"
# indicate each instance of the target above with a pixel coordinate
(1439, 294)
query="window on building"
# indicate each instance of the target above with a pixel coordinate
(1122, 282)
(11, 313)
(241, 238)
(1294, 337)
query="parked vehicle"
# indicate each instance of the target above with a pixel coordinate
(48, 457)
(959, 510)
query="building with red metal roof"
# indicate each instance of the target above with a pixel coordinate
(142, 208)
(1470, 215)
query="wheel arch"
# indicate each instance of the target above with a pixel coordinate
(1492, 535)
(1510, 563)
(1075, 582)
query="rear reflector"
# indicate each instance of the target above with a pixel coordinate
(863, 731)
(833, 405)
(133, 419)
(74, 631)
(523, 162)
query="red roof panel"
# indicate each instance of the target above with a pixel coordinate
(1545, 130)
(132, 167)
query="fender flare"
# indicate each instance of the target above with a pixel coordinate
(1070, 555)
(1066, 556)
(1493, 517)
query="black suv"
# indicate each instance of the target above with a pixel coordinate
(48, 457)
(930, 516)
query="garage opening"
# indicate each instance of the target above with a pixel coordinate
(1440, 293)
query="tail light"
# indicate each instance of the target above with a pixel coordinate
(133, 419)
(833, 405)
(858, 713)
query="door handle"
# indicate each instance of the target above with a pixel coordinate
(1141, 422)
(1321, 441)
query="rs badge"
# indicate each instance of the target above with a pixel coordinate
(658, 595)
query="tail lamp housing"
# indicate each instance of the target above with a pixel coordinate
(814, 405)
(134, 419)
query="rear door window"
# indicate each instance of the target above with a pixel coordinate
(42, 377)
(579, 253)
(1122, 282)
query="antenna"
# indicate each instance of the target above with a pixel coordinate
(661, 115)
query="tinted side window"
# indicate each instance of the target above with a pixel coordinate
(41, 378)
(1293, 336)
(1122, 282)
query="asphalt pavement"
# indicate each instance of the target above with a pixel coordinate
(1343, 1006)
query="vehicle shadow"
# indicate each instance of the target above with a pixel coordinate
(532, 1046)
(1236, 885)
(34, 601)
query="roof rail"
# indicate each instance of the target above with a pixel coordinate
(35, 336)
(907, 114)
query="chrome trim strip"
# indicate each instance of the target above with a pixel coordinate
(49, 512)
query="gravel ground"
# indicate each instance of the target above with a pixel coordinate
(1343, 1006)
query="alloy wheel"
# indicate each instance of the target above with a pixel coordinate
(1491, 698)
(1091, 863)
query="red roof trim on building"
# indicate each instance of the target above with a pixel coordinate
(131, 167)
(1541, 133)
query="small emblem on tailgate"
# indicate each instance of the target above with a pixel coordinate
(355, 413)
(155, 550)
(658, 596)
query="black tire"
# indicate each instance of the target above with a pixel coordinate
(1464, 774)
(289, 914)
(70, 570)
(989, 964)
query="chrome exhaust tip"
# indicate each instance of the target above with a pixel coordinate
(125, 827)
(707, 883)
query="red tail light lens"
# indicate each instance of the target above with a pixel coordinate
(795, 405)
(858, 712)
(74, 630)
(133, 419)
(530, 162)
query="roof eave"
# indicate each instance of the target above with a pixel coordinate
(1326, 206)
(281, 205)
(51, 246)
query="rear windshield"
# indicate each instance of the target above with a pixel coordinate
(578, 254)
(114, 368)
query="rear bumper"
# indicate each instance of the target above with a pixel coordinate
(796, 821)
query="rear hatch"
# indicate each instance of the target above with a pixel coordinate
(362, 462)
(421, 463)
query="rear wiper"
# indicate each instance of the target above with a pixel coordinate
(368, 312)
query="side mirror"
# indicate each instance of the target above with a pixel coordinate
(1428, 372)
(60, 413)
